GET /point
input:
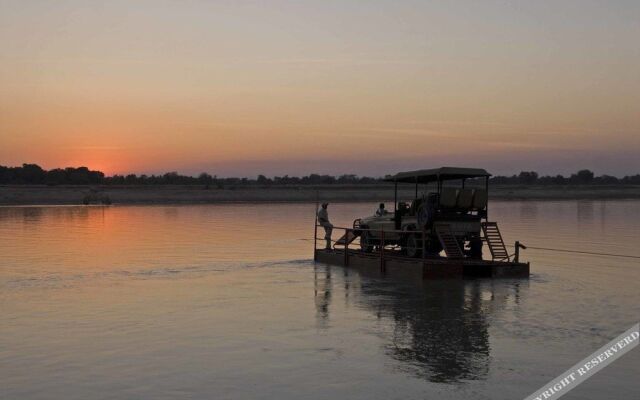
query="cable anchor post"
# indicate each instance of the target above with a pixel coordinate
(518, 246)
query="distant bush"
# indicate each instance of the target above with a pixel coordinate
(32, 174)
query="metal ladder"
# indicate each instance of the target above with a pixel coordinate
(448, 241)
(346, 239)
(493, 237)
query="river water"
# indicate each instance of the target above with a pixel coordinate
(225, 302)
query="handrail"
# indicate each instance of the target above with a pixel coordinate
(380, 243)
(369, 229)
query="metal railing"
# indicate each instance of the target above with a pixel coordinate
(332, 243)
(381, 245)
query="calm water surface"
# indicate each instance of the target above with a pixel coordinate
(224, 302)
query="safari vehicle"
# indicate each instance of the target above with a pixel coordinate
(449, 217)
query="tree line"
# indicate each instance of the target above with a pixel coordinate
(33, 174)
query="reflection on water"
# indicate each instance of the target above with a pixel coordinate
(440, 332)
(322, 294)
(223, 301)
(585, 213)
(528, 210)
(448, 316)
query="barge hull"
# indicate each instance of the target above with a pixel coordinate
(420, 269)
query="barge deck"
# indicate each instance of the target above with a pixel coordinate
(388, 264)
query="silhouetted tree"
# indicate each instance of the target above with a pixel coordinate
(32, 174)
(606, 180)
(528, 177)
(583, 177)
(631, 179)
(205, 178)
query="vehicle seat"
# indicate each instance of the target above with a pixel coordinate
(433, 199)
(465, 197)
(403, 208)
(448, 197)
(479, 199)
(415, 206)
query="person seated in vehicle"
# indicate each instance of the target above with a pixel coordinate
(381, 211)
(403, 208)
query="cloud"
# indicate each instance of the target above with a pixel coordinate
(94, 148)
(350, 61)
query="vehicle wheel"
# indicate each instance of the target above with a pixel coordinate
(365, 242)
(475, 249)
(413, 248)
(433, 246)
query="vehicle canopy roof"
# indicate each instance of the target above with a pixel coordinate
(437, 174)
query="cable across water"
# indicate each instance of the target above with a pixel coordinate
(580, 252)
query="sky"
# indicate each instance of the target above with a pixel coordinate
(241, 88)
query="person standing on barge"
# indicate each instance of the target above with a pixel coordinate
(323, 220)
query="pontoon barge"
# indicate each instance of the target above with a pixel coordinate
(439, 234)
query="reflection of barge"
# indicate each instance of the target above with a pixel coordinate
(440, 333)
(437, 235)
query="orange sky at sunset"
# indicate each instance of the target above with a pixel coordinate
(242, 88)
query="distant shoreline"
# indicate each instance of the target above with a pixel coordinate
(199, 194)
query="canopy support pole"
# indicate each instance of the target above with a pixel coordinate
(395, 198)
(486, 188)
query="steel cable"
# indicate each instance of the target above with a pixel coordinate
(580, 252)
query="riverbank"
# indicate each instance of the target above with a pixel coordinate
(195, 194)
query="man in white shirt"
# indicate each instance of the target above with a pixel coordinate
(381, 211)
(323, 220)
